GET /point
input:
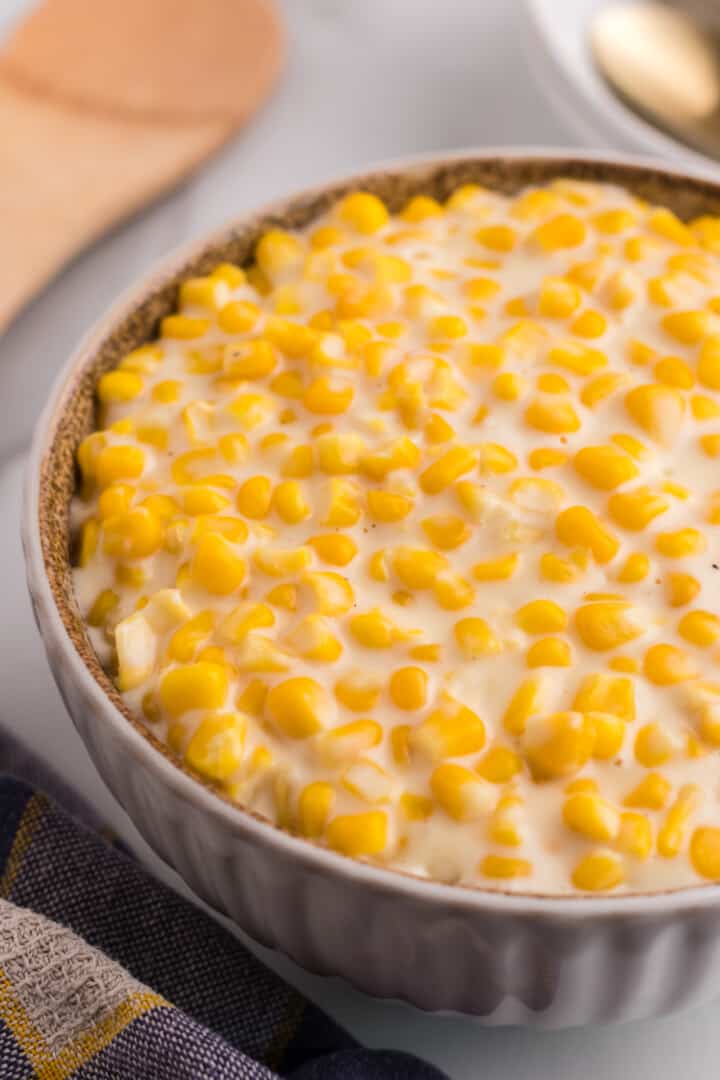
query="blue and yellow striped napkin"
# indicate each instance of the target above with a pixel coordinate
(105, 974)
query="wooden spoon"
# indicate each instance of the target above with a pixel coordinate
(105, 105)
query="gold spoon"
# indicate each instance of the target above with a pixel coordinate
(664, 66)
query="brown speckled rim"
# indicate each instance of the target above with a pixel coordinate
(70, 415)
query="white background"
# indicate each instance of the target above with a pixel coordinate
(366, 80)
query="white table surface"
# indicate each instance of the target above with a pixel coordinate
(365, 81)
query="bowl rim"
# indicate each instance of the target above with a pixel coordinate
(140, 743)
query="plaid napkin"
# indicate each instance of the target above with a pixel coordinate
(105, 974)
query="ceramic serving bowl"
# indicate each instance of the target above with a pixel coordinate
(507, 959)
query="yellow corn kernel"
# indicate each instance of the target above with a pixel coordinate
(343, 505)
(114, 463)
(651, 793)
(475, 638)
(183, 327)
(500, 569)
(666, 665)
(368, 781)
(119, 386)
(503, 867)
(579, 527)
(653, 745)
(299, 462)
(635, 568)
(254, 497)
(462, 794)
(102, 607)
(672, 833)
(363, 212)
(508, 386)
(560, 232)
(408, 688)
(546, 458)
(634, 510)
(377, 566)
(446, 531)
(681, 543)
(417, 568)
(609, 735)
(358, 834)
(448, 468)
(134, 534)
(216, 748)
(215, 565)
(499, 765)
(554, 416)
(201, 685)
(399, 742)
(601, 387)
(606, 694)
(330, 593)
(186, 640)
(665, 223)
(549, 652)
(334, 548)
(201, 500)
(278, 251)
(289, 502)
(438, 430)
(415, 807)
(688, 327)
(236, 626)
(591, 816)
(166, 392)
(349, 741)
(604, 467)
(374, 630)
(314, 808)
(388, 506)
(452, 591)
(297, 707)
(558, 745)
(635, 836)
(562, 571)
(658, 410)
(551, 383)
(450, 731)
(525, 702)
(357, 691)
(599, 871)
(541, 617)
(589, 324)
(558, 298)
(312, 639)
(497, 237)
(705, 852)
(710, 445)
(401, 454)
(321, 398)
(673, 371)
(700, 628)
(496, 459)
(606, 624)
(279, 562)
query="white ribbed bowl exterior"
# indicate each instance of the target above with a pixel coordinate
(505, 959)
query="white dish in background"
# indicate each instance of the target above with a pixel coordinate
(557, 43)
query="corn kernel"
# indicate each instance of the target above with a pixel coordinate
(297, 707)
(541, 617)
(651, 793)
(605, 625)
(450, 731)
(358, 834)
(475, 638)
(560, 232)
(705, 852)
(604, 467)
(363, 212)
(653, 745)
(559, 744)
(599, 871)
(462, 794)
(666, 665)
(504, 867)
(700, 628)
(201, 685)
(579, 527)
(554, 417)
(314, 808)
(499, 765)
(681, 543)
(215, 749)
(591, 816)
(549, 652)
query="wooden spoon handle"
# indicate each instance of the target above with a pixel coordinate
(67, 174)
